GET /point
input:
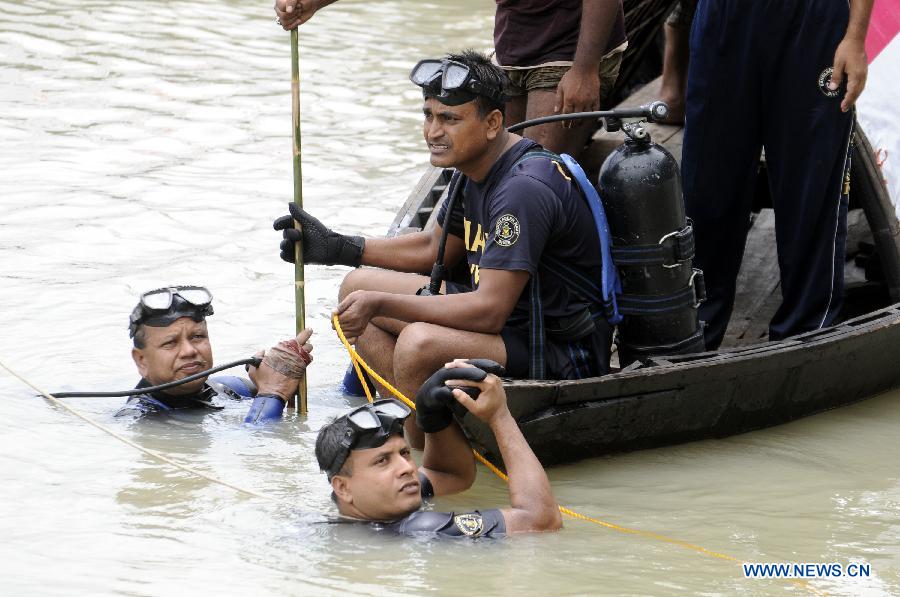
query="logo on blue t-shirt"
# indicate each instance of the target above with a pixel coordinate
(506, 232)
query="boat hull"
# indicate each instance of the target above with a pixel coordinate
(716, 394)
(713, 394)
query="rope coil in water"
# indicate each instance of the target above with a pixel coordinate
(359, 365)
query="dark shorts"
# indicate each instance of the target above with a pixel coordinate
(577, 359)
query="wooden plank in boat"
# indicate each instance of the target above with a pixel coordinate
(758, 292)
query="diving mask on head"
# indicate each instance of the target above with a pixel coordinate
(368, 426)
(450, 82)
(163, 306)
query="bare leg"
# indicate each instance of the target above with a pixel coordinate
(423, 348)
(555, 136)
(675, 71)
(376, 346)
(406, 354)
(381, 279)
(515, 110)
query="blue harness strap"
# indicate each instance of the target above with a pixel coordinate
(536, 365)
(610, 285)
(604, 295)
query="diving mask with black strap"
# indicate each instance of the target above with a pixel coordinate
(450, 82)
(163, 306)
(367, 427)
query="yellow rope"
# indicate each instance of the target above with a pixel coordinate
(151, 453)
(358, 362)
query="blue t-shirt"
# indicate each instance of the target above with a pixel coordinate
(519, 213)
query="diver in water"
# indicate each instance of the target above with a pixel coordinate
(171, 342)
(374, 478)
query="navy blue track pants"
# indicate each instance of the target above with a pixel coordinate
(753, 82)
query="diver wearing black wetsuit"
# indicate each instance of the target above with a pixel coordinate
(213, 395)
(171, 343)
(489, 523)
(374, 479)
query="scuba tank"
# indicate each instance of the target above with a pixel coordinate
(653, 248)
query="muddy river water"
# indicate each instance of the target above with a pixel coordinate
(147, 143)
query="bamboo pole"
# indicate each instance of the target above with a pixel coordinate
(299, 280)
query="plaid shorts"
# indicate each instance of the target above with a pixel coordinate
(523, 80)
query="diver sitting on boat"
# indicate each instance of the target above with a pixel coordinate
(374, 478)
(521, 227)
(171, 342)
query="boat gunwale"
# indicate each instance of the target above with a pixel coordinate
(859, 325)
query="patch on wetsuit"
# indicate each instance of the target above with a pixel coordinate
(471, 524)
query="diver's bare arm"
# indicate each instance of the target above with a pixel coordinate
(533, 506)
(448, 461)
(413, 253)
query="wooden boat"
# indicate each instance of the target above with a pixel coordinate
(750, 383)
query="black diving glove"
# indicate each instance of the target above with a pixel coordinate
(320, 244)
(435, 404)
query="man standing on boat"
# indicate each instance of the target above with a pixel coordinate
(783, 76)
(676, 56)
(561, 56)
(521, 227)
(374, 478)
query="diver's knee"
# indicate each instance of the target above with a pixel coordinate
(416, 343)
(355, 280)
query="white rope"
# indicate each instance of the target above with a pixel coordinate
(124, 440)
